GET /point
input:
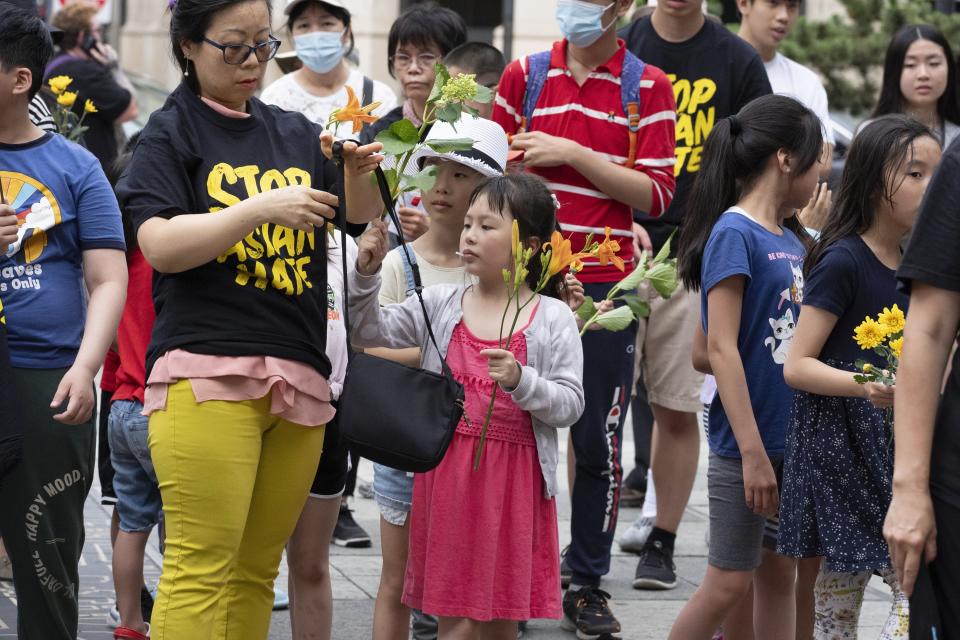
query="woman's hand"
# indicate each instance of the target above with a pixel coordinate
(880, 395)
(296, 207)
(357, 160)
(760, 484)
(911, 533)
(502, 367)
(372, 248)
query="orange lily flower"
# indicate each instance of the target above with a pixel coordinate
(608, 250)
(354, 113)
(562, 256)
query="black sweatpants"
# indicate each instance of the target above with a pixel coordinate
(935, 603)
(598, 442)
(42, 514)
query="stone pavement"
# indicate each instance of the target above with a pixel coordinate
(643, 614)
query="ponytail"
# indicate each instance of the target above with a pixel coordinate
(734, 156)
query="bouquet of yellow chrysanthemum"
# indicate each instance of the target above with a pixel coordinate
(69, 124)
(884, 336)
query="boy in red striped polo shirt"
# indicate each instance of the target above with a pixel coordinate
(604, 152)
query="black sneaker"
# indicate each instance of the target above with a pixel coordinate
(586, 612)
(348, 533)
(655, 570)
(634, 489)
(566, 575)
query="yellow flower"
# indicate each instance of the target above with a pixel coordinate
(354, 113)
(867, 367)
(562, 256)
(896, 346)
(460, 88)
(891, 320)
(59, 84)
(89, 107)
(67, 98)
(869, 334)
(607, 251)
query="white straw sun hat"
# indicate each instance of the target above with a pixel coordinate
(488, 154)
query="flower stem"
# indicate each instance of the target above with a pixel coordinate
(610, 296)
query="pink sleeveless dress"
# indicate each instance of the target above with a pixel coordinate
(484, 545)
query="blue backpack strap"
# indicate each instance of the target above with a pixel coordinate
(633, 68)
(538, 66)
(408, 267)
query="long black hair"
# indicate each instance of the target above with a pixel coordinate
(189, 21)
(734, 156)
(531, 204)
(891, 98)
(879, 149)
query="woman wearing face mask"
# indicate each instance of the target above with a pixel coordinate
(919, 80)
(323, 38)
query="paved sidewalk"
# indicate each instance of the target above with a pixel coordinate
(645, 615)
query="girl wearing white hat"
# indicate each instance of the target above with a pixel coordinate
(323, 39)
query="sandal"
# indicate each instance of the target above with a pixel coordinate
(126, 633)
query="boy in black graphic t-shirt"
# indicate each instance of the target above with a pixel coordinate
(714, 74)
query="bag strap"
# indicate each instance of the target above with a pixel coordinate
(408, 268)
(633, 68)
(538, 66)
(415, 270)
(367, 96)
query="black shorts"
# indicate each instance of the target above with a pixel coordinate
(104, 467)
(935, 603)
(331, 478)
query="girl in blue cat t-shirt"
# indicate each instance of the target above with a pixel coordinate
(742, 248)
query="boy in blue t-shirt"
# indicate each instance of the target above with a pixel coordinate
(62, 282)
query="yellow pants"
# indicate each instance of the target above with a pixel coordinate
(234, 480)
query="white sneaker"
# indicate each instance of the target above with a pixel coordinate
(113, 617)
(636, 536)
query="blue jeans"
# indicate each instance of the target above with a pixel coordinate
(134, 480)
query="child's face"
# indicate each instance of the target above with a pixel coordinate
(450, 195)
(485, 241)
(769, 21)
(414, 68)
(908, 182)
(802, 186)
(484, 109)
(923, 78)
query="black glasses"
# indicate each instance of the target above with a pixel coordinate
(424, 60)
(238, 53)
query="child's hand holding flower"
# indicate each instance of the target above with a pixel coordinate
(502, 367)
(880, 395)
(372, 248)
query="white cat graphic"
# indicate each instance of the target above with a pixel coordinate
(795, 293)
(779, 342)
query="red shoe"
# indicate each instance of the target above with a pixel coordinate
(121, 633)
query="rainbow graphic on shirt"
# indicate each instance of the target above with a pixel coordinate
(37, 212)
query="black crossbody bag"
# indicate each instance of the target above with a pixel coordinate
(399, 416)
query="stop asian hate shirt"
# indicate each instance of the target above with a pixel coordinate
(267, 294)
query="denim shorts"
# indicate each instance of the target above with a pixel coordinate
(393, 491)
(737, 534)
(134, 480)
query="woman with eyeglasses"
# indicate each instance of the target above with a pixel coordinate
(230, 200)
(323, 37)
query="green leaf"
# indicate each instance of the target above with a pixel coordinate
(587, 309)
(484, 94)
(639, 307)
(471, 111)
(400, 137)
(393, 180)
(443, 76)
(663, 277)
(450, 112)
(633, 280)
(454, 144)
(616, 320)
(664, 252)
(860, 379)
(422, 181)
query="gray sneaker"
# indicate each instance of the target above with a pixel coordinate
(634, 538)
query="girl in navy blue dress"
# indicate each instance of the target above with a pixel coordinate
(839, 457)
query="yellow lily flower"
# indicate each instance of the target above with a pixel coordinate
(562, 256)
(354, 113)
(607, 251)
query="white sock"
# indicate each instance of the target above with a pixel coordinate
(650, 500)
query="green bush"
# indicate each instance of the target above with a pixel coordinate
(848, 52)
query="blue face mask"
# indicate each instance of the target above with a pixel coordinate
(581, 23)
(320, 51)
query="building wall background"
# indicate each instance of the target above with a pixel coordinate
(144, 43)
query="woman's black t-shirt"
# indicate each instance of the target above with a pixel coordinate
(933, 257)
(267, 294)
(850, 282)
